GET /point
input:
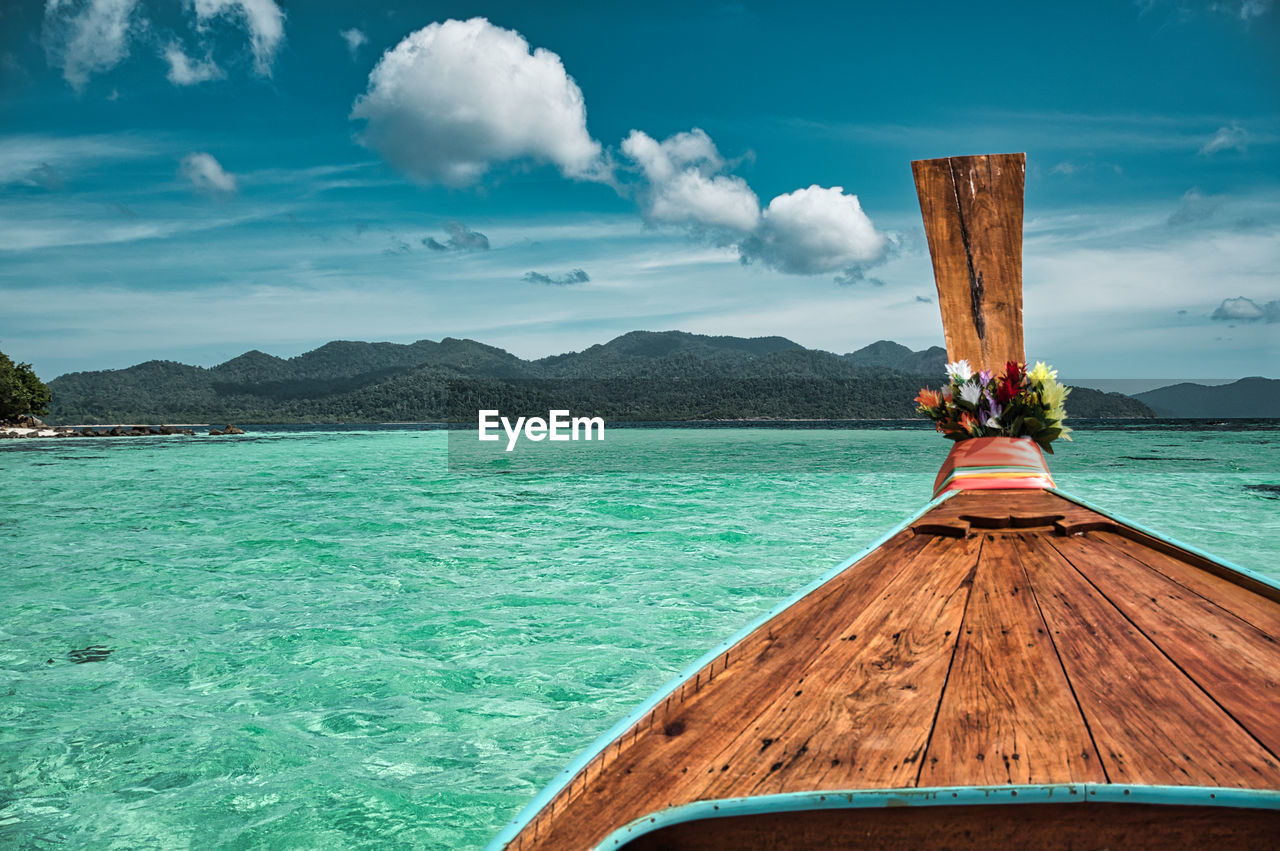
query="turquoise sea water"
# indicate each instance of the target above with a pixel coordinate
(329, 640)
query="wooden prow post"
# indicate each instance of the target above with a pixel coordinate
(972, 209)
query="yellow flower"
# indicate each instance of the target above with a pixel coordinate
(1041, 373)
(1053, 393)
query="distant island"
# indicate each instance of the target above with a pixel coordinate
(640, 376)
(1248, 397)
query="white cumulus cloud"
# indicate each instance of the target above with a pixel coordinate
(453, 99)
(355, 39)
(813, 231)
(185, 71)
(263, 19)
(684, 186)
(806, 232)
(1243, 309)
(206, 174)
(87, 37)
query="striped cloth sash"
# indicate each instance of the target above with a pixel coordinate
(991, 463)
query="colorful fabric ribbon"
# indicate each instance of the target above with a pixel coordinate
(993, 463)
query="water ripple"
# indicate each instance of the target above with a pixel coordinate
(325, 639)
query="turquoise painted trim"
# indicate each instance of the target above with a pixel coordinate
(1178, 796)
(562, 779)
(1243, 571)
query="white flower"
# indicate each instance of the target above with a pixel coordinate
(960, 371)
(970, 391)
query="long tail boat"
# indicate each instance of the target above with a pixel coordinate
(1012, 666)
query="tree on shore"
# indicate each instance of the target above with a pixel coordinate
(21, 392)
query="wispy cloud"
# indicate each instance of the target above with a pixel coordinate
(1053, 132)
(1182, 12)
(263, 20)
(1084, 269)
(20, 155)
(29, 229)
(355, 39)
(185, 71)
(46, 177)
(87, 38)
(1247, 10)
(1231, 137)
(1195, 208)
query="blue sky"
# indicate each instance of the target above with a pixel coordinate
(190, 180)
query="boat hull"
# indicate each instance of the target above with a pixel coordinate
(1031, 823)
(998, 640)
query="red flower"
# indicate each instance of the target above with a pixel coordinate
(1011, 382)
(929, 398)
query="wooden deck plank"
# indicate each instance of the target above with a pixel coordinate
(1008, 714)
(660, 760)
(1244, 603)
(1151, 723)
(1237, 664)
(860, 715)
(864, 714)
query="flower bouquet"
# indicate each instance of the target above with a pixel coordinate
(1017, 403)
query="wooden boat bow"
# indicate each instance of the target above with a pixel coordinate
(972, 210)
(974, 678)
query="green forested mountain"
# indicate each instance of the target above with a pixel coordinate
(642, 375)
(1248, 397)
(885, 353)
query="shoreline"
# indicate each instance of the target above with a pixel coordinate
(112, 430)
(45, 431)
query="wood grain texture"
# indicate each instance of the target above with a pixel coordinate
(1047, 826)
(933, 648)
(972, 209)
(1008, 714)
(669, 756)
(860, 713)
(1241, 600)
(1150, 722)
(1237, 664)
(1008, 509)
(1261, 589)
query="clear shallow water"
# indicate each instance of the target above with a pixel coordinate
(326, 639)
